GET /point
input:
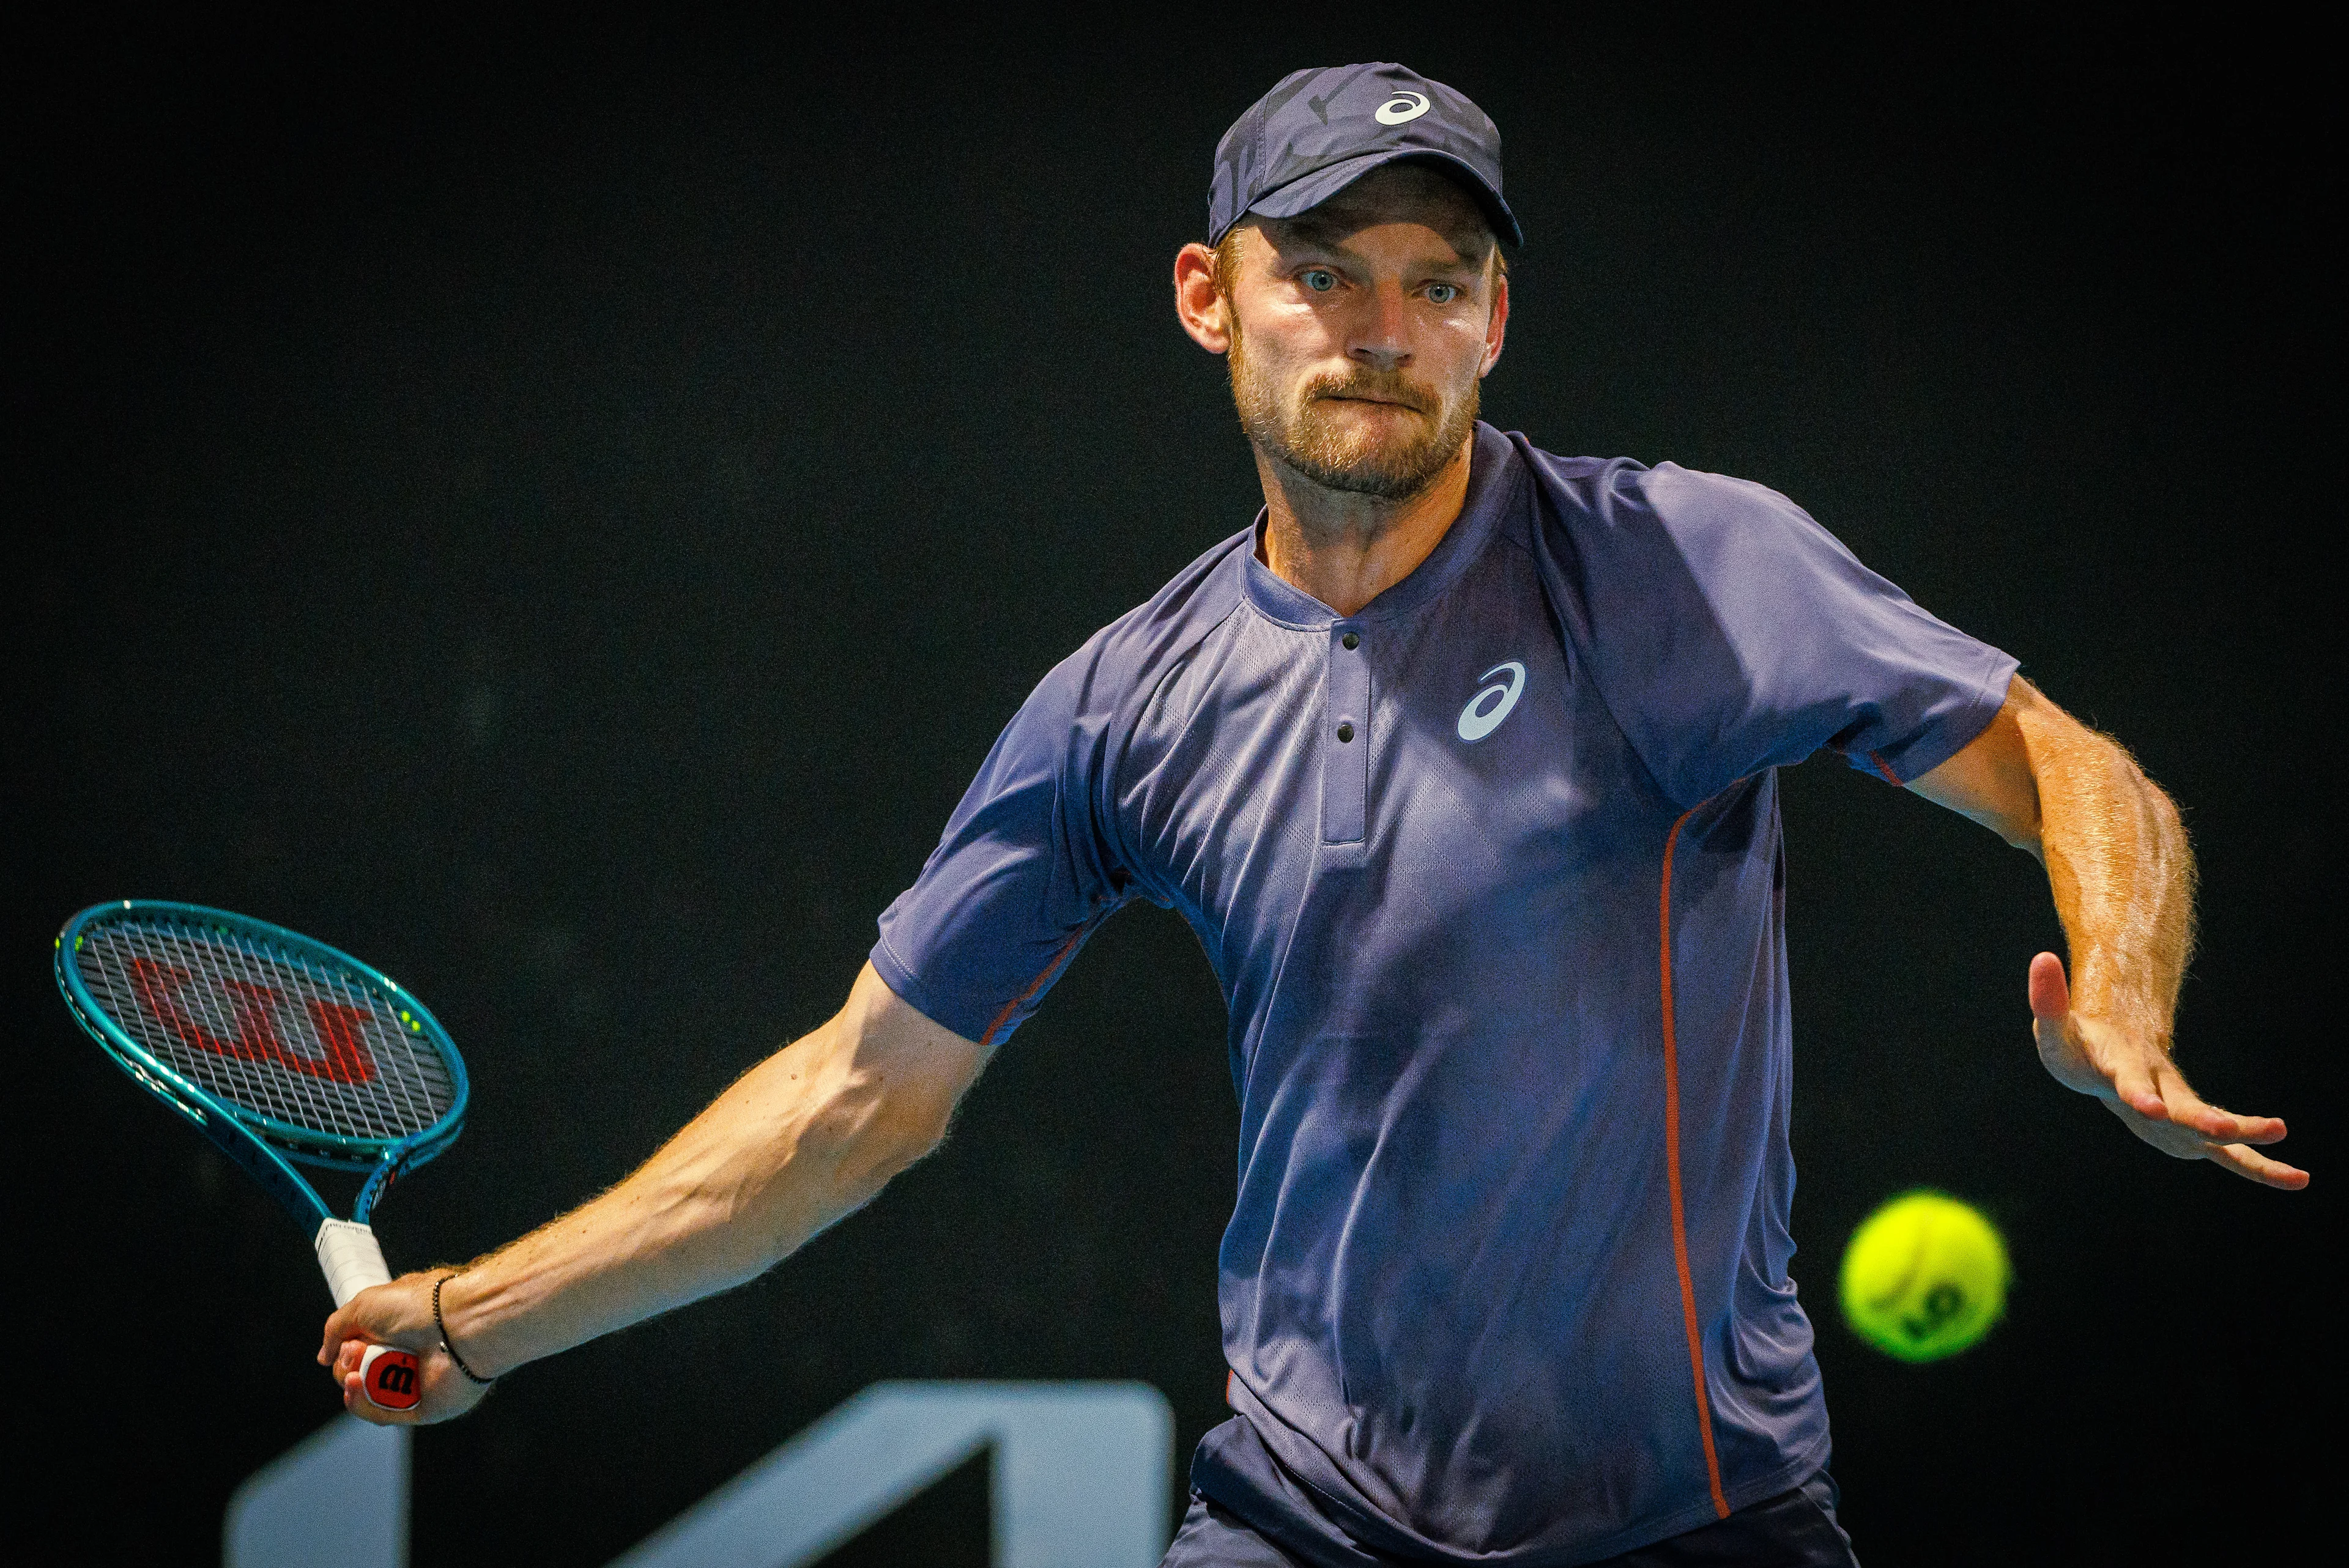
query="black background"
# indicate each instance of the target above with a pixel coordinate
(561, 510)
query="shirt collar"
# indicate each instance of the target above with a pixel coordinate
(1490, 464)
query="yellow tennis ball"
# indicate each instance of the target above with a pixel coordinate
(1924, 1277)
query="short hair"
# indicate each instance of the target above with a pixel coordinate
(1227, 260)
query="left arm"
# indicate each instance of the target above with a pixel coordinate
(2123, 877)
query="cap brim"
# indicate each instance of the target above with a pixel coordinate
(1308, 191)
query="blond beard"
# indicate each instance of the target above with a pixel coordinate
(1304, 439)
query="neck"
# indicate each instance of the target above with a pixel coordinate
(1345, 548)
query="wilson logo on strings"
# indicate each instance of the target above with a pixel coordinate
(251, 1028)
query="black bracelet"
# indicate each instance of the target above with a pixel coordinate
(443, 1327)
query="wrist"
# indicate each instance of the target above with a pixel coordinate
(449, 1321)
(2119, 1000)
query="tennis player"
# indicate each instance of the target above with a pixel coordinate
(1461, 760)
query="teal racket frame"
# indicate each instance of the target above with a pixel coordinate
(267, 1149)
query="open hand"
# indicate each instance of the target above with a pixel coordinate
(396, 1314)
(2133, 1075)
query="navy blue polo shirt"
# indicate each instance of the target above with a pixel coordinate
(1490, 872)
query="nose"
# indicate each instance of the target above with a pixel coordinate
(1381, 338)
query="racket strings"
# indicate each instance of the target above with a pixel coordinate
(272, 1030)
(335, 1049)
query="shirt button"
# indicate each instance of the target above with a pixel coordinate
(1345, 733)
(1350, 641)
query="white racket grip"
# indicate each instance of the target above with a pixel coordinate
(347, 1251)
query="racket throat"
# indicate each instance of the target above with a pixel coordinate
(351, 1257)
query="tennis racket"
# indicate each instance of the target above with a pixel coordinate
(283, 1052)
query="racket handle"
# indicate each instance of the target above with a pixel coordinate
(353, 1259)
(391, 1378)
(348, 1252)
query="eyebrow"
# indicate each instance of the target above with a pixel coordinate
(1459, 267)
(1329, 232)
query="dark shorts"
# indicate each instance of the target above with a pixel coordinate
(1796, 1529)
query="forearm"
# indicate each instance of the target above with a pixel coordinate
(2120, 868)
(805, 1139)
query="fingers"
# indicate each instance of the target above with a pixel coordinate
(354, 1384)
(337, 1331)
(2051, 998)
(351, 1322)
(2225, 1126)
(2183, 1108)
(2251, 1165)
(2180, 1140)
(343, 1354)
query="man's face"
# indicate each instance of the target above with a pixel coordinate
(1359, 331)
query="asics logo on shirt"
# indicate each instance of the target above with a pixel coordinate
(1489, 707)
(1401, 107)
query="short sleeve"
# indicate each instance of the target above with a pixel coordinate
(1021, 877)
(1729, 633)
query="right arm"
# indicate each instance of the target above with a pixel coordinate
(2123, 878)
(799, 1142)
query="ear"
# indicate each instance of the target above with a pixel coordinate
(1497, 325)
(1198, 301)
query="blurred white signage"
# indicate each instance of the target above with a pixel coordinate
(1082, 1478)
(338, 1498)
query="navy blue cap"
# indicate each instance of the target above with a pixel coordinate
(1320, 130)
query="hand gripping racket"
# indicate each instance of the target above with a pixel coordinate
(283, 1052)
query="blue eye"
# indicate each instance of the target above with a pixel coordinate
(1318, 280)
(1443, 293)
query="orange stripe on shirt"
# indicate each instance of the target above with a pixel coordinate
(1672, 1175)
(1034, 985)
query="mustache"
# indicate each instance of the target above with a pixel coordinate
(1379, 385)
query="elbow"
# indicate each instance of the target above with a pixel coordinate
(881, 1095)
(911, 1138)
(2027, 834)
(2023, 830)
(873, 1136)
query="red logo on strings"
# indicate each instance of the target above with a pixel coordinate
(254, 1034)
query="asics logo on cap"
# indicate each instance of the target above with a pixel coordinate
(1320, 129)
(1401, 107)
(1489, 707)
